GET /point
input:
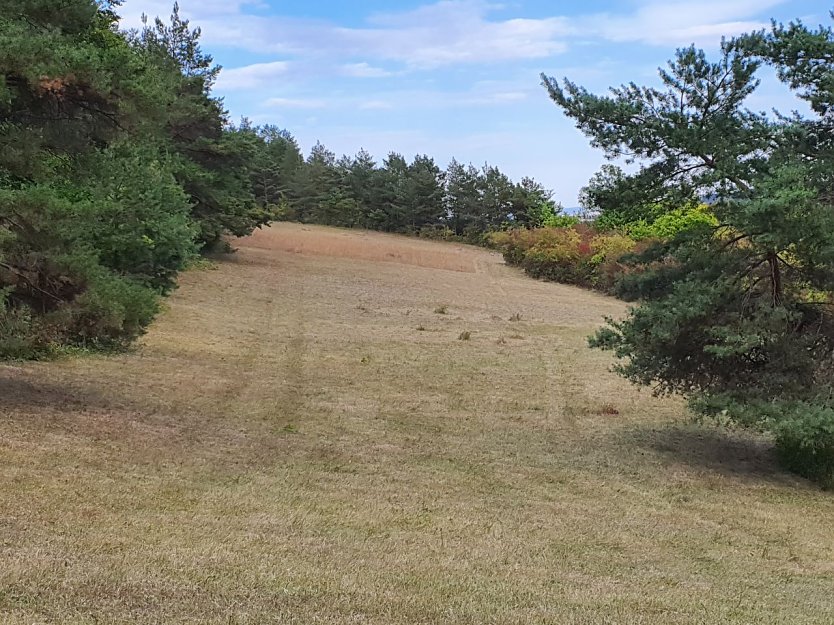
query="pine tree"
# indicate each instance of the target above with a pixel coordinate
(424, 193)
(737, 317)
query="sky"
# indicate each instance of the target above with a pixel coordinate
(456, 78)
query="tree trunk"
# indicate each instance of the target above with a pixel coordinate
(775, 278)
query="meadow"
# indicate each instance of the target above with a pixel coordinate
(335, 426)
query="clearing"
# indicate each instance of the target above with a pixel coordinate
(303, 438)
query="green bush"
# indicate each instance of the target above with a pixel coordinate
(109, 315)
(17, 339)
(803, 430)
(671, 224)
(805, 441)
(136, 216)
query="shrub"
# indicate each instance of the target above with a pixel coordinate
(110, 314)
(437, 233)
(672, 223)
(577, 255)
(16, 332)
(805, 441)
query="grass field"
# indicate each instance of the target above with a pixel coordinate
(305, 437)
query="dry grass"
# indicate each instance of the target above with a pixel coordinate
(286, 448)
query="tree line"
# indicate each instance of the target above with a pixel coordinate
(118, 166)
(416, 197)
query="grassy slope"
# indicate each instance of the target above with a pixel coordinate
(288, 446)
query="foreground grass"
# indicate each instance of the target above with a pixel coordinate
(303, 439)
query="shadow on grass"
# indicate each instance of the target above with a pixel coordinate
(728, 452)
(19, 393)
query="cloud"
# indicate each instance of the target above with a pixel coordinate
(448, 32)
(365, 70)
(296, 103)
(254, 76)
(460, 32)
(132, 10)
(678, 23)
(411, 99)
(454, 32)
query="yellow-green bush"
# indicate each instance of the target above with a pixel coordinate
(672, 223)
(574, 255)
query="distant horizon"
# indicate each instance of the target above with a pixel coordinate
(455, 78)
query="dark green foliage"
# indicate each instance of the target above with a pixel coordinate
(214, 161)
(116, 165)
(276, 163)
(414, 197)
(738, 315)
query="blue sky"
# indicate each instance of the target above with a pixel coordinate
(455, 77)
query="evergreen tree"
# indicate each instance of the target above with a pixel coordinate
(424, 193)
(315, 185)
(214, 159)
(392, 212)
(496, 191)
(114, 160)
(737, 317)
(274, 166)
(532, 206)
(364, 180)
(462, 197)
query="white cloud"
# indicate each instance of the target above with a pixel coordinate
(444, 33)
(257, 76)
(132, 10)
(403, 100)
(296, 103)
(454, 32)
(678, 23)
(460, 31)
(365, 70)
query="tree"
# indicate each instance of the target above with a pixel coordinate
(363, 180)
(424, 193)
(116, 165)
(533, 206)
(391, 212)
(213, 164)
(738, 317)
(277, 159)
(315, 185)
(496, 193)
(462, 197)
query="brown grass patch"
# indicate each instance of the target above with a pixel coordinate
(361, 245)
(285, 448)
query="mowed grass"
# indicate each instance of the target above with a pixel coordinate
(301, 438)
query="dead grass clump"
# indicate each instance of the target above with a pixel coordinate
(442, 310)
